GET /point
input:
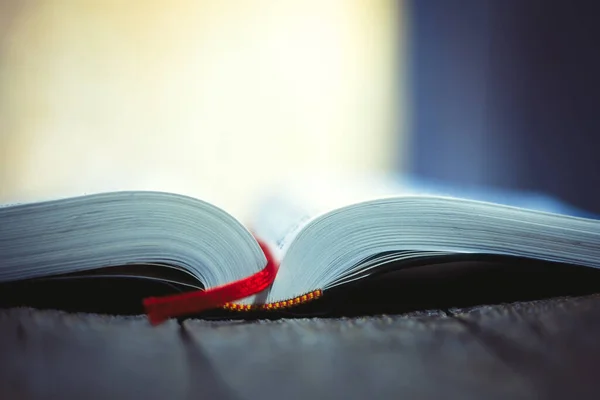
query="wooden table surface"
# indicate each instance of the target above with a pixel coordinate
(540, 349)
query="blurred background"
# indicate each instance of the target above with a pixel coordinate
(220, 98)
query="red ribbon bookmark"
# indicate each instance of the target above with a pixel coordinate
(159, 309)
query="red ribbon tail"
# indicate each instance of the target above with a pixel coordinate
(159, 309)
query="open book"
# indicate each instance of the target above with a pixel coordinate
(296, 249)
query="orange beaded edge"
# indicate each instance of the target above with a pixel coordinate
(305, 298)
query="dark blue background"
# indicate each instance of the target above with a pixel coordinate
(506, 93)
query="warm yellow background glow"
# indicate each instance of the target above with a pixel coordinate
(210, 98)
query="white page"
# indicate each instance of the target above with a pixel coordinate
(291, 205)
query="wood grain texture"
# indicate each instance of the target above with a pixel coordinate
(542, 349)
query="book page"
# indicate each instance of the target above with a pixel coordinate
(282, 214)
